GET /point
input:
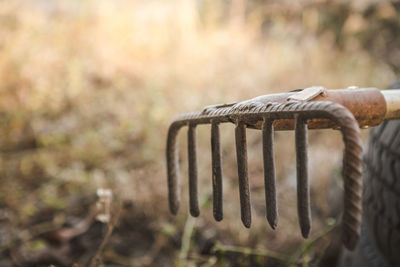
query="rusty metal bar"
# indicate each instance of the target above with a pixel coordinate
(368, 106)
(216, 160)
(269, 173)
(303, 188)
(244, 190)
(192, 156)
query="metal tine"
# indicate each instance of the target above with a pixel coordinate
(216, 159)
(303, 190)
(269, 172)
(192, 155)
(173, 170)
(241, 155)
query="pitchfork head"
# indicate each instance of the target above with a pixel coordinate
(296, 110)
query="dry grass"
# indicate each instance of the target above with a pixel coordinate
(88, 89)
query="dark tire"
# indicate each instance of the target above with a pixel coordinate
(381, 197)
(365, 253)
(379, 244)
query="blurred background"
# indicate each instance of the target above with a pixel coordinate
(88, 89)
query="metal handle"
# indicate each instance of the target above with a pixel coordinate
(392, 99)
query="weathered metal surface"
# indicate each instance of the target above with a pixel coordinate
(307, 94)
(262, 113)
(192, 156)
(216, 161)
(303, 189)
(366, 104)
(269, 173)
(173, 169)
(241, 157)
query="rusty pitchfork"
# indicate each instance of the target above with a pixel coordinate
(303, 109)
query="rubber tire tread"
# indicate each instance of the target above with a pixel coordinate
(381, 193)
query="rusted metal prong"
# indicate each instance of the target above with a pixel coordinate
(216, 171)
(173, 167)
(244, 191)
(269, 173)
(192, 156)
(303, 189)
